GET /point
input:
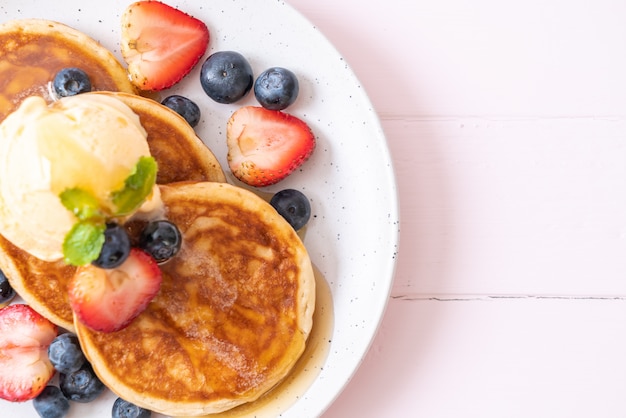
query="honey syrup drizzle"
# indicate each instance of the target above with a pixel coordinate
(306, 369)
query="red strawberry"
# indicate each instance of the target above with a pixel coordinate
(108, 300)
(160, 44)
(24, 339)
(265, 146)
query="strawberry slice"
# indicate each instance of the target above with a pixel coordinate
(108, 300)
(24, 339)
(265, 146)
(160, 44)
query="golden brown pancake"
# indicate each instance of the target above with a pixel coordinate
(180, 155)
(34, 50)
(232, 316)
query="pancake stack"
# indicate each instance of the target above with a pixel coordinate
(235, 307)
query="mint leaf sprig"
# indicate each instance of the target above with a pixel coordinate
(84, 241)
(136, 188)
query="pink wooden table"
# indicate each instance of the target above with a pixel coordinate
(507, 125)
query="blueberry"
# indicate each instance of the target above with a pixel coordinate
(70, 82)
(184, 107)
(226, 76)
(51, 403)
(6, 290)
(292, 205)
(115, 249)
(82, 385)
(125, 409)
(65, 353)
(276, 88)
(161, 239)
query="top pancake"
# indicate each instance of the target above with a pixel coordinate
(34, 50)
(232, 315)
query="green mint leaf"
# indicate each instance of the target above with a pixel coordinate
(84, 242)
(81, 203)
(137, 187)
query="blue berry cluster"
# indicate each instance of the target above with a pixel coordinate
(77, 383)
(227, 77)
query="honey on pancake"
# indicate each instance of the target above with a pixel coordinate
(304, 372)
(34, 50)
(42, 284)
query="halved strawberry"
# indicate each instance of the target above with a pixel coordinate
(108, 300)
(265, 146)
(24, 339)
(160, 44)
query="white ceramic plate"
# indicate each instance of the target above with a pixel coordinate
(353, 234)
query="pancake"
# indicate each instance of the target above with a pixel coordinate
(232, 315)
(34, 50)
(180, 154)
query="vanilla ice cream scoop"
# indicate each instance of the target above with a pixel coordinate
(88, 141)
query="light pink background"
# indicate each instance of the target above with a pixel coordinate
(507, 125)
